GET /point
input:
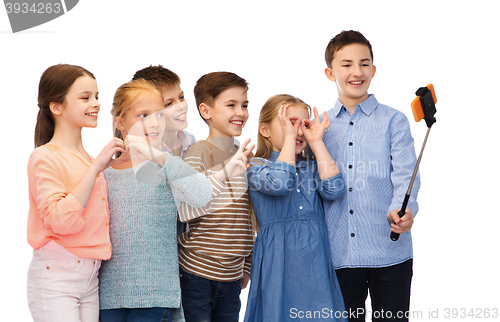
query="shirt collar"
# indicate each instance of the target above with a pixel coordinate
(186, 143)
(367, 106)
(298, 164)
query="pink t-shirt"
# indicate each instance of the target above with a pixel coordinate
(57, 215)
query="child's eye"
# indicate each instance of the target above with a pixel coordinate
(85, 98)
(230, 105)
(245, 106)
(143, 115)
(160, 114)
(181, 98)
(168, 104)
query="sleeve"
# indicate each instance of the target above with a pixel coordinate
(275, 179)
(331, 188)
(403, 160)
(60, 211)
(248, 263)
(188, 185)
(188, 212)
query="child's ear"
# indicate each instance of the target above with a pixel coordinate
(117, 121)
(264, 130)
(329, 74)
(56, 108)
(374, 69)
(204, 111)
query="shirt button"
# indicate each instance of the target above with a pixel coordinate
(351, 211)
(350, 143)
(106, 223)
(296, 174)
(301, 207)
(103, 199)
(298, 190)
(350, 189)
(351, 123)
(350, 166)
(352, 235)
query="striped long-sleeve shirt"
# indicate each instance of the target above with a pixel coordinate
(219, 242)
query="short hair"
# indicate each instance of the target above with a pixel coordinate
(346, 37)
(159, 76)
(211, 85)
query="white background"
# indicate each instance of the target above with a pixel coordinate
(278, 47)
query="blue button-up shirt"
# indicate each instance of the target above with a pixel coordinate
(374, 151)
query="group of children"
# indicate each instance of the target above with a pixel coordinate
(160, 228)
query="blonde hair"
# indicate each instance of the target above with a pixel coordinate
(267, 113)
(127, 95)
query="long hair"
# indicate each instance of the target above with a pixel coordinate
(53, 87)
(267, 113)
(127, 95)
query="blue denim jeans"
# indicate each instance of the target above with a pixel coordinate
(205, 300)
(154, 314)
(389, 291)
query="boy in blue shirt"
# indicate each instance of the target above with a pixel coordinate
(373, 148)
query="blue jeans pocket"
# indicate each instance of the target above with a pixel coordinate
(187, 279)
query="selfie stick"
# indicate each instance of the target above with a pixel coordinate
(423, 107)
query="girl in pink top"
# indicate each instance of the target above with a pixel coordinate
(68, 216)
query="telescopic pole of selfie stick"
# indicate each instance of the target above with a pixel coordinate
(423, 107)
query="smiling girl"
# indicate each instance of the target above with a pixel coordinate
(141, 280)
(68, 215)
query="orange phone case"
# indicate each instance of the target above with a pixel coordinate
(416, 106)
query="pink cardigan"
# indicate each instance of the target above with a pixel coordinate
(57, 215)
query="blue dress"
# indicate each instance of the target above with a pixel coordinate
(292, 274)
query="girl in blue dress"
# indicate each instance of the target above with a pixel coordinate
(292, 275)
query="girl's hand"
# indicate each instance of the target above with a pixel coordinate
(289, 124)
(140, 149)
(105, 158)
(314, 131)
(238, 163)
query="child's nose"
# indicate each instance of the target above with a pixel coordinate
(181, 105)
(153, 121)
(357, 70)
(300, 132)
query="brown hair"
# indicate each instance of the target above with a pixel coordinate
(159, 76)
(127, 95)
(346, 37)
(211, 85)
(267, 113)
(53, 87)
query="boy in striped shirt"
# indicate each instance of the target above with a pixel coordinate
(215, 253)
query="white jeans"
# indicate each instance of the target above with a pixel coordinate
(62, 286)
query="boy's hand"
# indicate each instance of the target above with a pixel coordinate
(289, 124)
(403, 224)
(238, 163)
(314, 131)
(244, 280)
